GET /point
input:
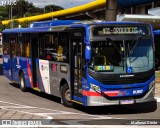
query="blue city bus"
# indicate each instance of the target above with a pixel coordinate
(92, 63)
(157, 48)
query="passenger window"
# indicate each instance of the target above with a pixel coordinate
(6, 46)
(54, 46)
(26, 46)
(47, 47)
(63, 47)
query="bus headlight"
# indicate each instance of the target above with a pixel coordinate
(151, 84)
(95, 87)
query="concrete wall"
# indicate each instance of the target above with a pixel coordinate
(140, 10)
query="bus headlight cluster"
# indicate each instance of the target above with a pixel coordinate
(95, 87)
(151, 84)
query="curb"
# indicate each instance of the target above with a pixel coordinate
(158, 99)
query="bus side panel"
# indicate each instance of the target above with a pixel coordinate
(7, 66)
(49, 76)
(26, 67)
(15, 69)
(42, 75)
(58, 71)
(55, 78)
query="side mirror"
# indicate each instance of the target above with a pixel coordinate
(88, 52)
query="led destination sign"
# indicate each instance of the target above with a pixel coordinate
(108, 30)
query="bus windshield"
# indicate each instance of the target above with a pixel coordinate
(114, 57)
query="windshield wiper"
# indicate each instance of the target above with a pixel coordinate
(139, 38)
(116, 47)
(120, 50)
(124, 51)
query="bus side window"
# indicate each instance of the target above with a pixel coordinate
(27, 49)
(6, 46)
(15, 47)
(59, 52)
(26, 43)
(47, 49)
(63, 47)
(22, 45)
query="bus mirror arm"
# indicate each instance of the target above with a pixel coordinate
(139, 38)
(85, 66)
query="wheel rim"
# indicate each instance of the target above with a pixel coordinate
(22, 83)
(68, 95)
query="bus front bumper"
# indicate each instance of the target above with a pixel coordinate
(102, 101)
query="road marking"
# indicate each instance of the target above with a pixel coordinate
(22, 106)
(57, 111)
(15, 107)
(51, 113)
(12, 103)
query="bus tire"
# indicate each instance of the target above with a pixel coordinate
(22, 82)
(65, 95)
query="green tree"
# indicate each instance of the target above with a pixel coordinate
(25, 24)
(52, 8)
(21, 8)
(3, 12)
(0, 26)
(13, 24)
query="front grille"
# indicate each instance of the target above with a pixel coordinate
(132, 80)
(117, 80)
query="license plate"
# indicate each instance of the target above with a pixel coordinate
(127, 102)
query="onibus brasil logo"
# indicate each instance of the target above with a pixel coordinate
(5, 3)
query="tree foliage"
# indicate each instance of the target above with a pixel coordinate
(52, 8)
(3, 13)
(24, 8)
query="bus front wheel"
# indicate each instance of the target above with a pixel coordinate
(66, 96)
(22, 83)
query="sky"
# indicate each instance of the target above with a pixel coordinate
(62, 3)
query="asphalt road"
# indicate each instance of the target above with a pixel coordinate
(12, 98)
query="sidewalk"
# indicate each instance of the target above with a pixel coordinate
(1, 60)
(11, 114)
(157, 90)
(157, 85)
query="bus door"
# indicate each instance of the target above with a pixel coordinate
(34, 55)
(76, 67)
(13, 60)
